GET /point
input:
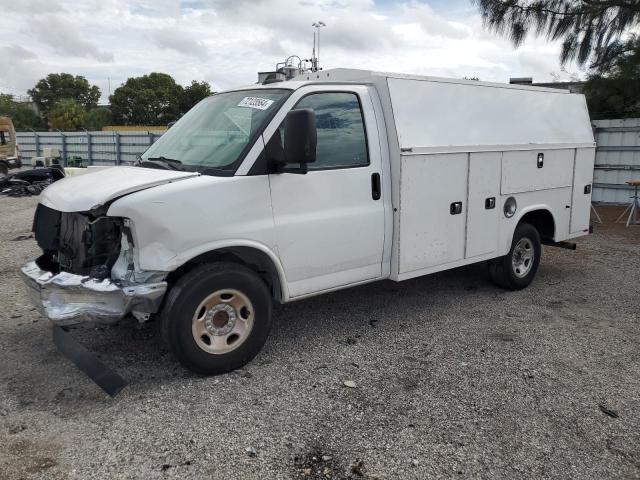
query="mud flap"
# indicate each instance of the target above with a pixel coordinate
(106, 378)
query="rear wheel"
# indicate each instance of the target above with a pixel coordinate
(217, 317)
(517, 269)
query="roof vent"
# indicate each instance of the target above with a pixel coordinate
(271, 77)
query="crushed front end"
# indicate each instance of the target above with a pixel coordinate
(87, 269)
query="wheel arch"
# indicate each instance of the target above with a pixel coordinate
(258, 258)
(542, 219)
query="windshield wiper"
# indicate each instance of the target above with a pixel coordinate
(169, 163)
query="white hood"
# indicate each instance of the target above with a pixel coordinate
(84, 192)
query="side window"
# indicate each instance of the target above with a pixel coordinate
(4, 137)
(341, 135)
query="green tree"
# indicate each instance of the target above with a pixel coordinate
(152, 99)
(588, 29)
(6, 104)
(192, 94)
(596, 33)
(613, 87)
(22, 115)
(67, 115)
(97, 118)
(60, 86)
(25, 118)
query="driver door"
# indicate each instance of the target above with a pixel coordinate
(330, 222)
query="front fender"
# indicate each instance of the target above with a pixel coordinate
(185, 257)
(176, 222)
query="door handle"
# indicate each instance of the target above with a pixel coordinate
(455, 208)
(376, 191)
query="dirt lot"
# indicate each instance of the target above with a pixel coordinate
(454, 378)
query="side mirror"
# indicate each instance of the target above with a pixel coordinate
(300, 138)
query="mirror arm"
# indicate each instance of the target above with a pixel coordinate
(301, 170)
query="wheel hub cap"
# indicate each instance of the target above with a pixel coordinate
(222, 321)
(523, 257)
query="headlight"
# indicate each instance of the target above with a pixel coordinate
(510, 207)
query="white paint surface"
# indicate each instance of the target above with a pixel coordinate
(459, 114)
(581, 202)
(482, 223)
(520, 172)
(429, 234)
(329, 229)
(80, 193)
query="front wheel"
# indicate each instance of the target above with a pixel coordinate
(517, 269)
(217, 318)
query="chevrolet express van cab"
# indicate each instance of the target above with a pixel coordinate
(277, 192)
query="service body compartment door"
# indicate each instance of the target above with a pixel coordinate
(532, 170)
(484, 210)
(582, 188)
(433, 205)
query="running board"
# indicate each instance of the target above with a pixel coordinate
(567, 245)
(106, 378)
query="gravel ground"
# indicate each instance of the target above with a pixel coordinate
(453, 378)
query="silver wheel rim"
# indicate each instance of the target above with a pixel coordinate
(222, 321)
(523, 257)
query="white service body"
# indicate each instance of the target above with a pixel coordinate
(433, 142)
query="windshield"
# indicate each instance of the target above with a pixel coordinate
(215, 132)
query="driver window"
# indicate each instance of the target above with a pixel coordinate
(341, 135)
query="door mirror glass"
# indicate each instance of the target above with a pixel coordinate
(300, 137)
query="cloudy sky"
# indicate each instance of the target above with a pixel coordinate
(225, 42)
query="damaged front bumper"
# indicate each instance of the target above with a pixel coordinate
(68, 299)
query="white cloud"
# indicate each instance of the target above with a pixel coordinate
(225, 42)
(432, 24)
(19, 67)
(63, 37)
(174, 39)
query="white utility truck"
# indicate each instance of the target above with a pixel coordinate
(284, 190)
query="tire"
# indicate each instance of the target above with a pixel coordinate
(216, 318)
(4, 169)
(517, 269)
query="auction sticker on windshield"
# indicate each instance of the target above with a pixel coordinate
(256, 102)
